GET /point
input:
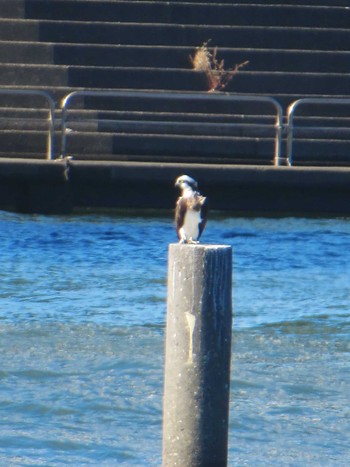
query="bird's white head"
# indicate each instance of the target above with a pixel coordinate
(184, 182)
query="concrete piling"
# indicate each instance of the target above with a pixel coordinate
(197, 356)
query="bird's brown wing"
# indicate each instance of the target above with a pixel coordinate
(180, 210)
(204, 216)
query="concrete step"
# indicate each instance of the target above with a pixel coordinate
(107, 9)
(15, 155)
(172, 120)
(252, 130)
(154, 124)
(12, 9)
(321, 152)
(33, 75)
(208, 108)
(147, 111)
(174, 35)
(241, 159)
(322, 133)
(83, 146)
(26, 52)
(169, 57)
(59, 92)
(18, 113)
(270, 2)
(97, 77)
(13, 100)
(190, 148)
(323, 117)
(291, 83)
(23, 124)
(19, 30)
(186, 13)
(104, 146)
(191, 123)
(198, 11)
(252, 82)
(25, 141)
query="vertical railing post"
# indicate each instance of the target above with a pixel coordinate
(50, 152)
(278, 133)
(198, 355)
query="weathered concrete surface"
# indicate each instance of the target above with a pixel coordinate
(198, 356)
(54, 186)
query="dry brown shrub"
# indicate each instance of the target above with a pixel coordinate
(206, 61)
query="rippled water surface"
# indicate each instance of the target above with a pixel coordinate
(82, 312)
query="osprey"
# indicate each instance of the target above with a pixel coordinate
(190, 212)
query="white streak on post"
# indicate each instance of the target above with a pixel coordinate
(191, 321)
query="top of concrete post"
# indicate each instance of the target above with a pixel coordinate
(199, 246)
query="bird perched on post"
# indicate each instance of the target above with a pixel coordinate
(190, 212)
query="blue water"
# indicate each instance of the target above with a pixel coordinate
(82, 312)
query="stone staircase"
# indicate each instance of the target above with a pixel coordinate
(295, 49)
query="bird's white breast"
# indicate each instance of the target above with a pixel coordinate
(190, 226)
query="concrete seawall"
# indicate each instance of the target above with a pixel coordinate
(53, 187)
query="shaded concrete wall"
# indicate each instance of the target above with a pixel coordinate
(52, 187)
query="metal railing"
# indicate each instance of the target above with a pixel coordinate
(291, 111)
(51, 115)
(172, 96)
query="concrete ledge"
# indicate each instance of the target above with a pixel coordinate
(33, 170)
(54, 187)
